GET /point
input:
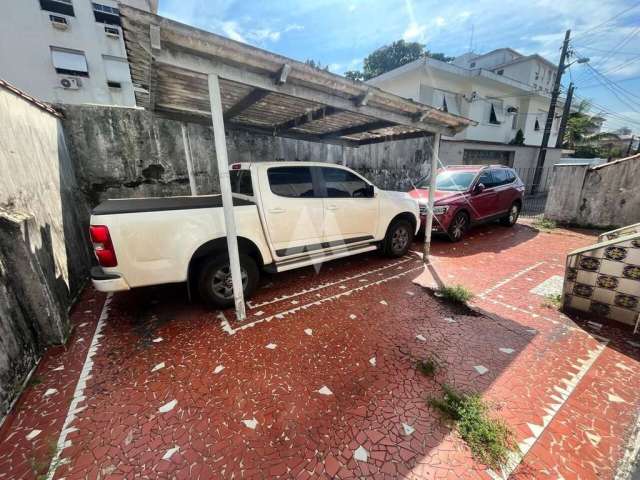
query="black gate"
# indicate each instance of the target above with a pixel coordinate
(535, 196)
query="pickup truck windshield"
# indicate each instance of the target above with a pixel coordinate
(451, 181)
(241, 182)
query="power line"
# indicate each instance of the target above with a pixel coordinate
(630, 79)
(582, 34)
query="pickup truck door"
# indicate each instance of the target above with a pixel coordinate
(294, 215)
(348, 213)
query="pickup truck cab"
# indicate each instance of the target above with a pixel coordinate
(288, 215)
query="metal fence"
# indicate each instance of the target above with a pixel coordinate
(536, 193)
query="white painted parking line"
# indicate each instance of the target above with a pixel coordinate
(509, 279)
(565, 387)
(280, 298)
(78, 394)
(228, 328)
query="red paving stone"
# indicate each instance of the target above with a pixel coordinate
(570, 394)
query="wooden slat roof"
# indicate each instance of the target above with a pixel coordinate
(262, 91)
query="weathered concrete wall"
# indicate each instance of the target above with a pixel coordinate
(43, 250)
(124, 152)
(604, 196)
(564, 195)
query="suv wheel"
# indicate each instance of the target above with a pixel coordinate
(214, 282)
(398, 238)
(458, 226)
(512, 217)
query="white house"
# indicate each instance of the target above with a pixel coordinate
(67, 51)
(502, 90)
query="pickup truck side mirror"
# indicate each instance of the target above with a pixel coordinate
(479, 188)
(369, 191)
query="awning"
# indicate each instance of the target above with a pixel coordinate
(264, 92)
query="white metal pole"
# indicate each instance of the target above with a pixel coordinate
(187, 155)
(435, 152)
(225, 189)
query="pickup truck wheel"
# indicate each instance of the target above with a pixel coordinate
(214, 282)
(398, 239)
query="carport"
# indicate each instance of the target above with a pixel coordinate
(191, 75)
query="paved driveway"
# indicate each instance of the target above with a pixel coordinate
(321, 381)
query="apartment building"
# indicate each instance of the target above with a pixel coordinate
(67, 51)
(503, 91)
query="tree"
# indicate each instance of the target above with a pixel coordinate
(316, 64)
(579, 125)
(390, 57)
(518, 139)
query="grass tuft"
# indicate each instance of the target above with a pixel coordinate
(427, 367)
(544, 224)
(489, 439)
(456, 293)
(34, 381)
(553, 301)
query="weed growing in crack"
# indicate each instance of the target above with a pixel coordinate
(553, 301)
(489, 439)
(544, 224)
(41, 465)
(427, 367)
(456, 294)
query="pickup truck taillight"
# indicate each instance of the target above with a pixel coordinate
(102, 246)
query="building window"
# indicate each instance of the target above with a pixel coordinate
(69, 62)
(514, 121)
(496, 114)
(116, 70)
(65, 7)
(106, 14)
(500, 72)
(112, 31)
(473, 64)
(114, 84)
(444, 104)
(59, 22)
(536, 126)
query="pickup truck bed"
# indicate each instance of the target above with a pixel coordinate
(139, 205)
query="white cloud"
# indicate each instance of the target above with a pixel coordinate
(440, 21)
(414, 32)
(232, 30)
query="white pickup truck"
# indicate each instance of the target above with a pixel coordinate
(288, 215)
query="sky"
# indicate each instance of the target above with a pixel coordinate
(341, 33)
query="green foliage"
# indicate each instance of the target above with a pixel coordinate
(354, 75)
(544, 224)
(553, 301)
(456, 293)
(34, 381)
(518, 139)
(316, 64)
(587, 151)
(427, 367)
(489, 439)
(390, 57)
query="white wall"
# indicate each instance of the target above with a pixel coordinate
(26, 35)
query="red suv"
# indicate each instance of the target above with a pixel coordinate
(471, 194)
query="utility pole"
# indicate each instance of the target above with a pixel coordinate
(630, 144)
(565, 116)
(542, 154)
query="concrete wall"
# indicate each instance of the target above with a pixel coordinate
(44, 254)
(603, 196)
(125, 152)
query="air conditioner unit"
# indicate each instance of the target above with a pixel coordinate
(70, 83)
(59, 22)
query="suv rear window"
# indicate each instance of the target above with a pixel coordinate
(241, 182)
(293, 182)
